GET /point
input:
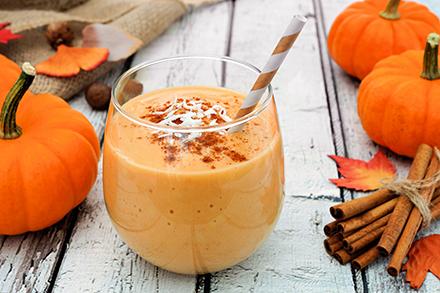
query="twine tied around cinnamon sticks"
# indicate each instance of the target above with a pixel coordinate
(411, 189)
(386, 221)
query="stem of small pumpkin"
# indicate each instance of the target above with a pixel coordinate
(8, 124)
(391, 12)
(430, 59)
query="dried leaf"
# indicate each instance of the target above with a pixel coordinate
(364, 176)
(120, 44)
(68, 61)
(6, 35)
(424, 256)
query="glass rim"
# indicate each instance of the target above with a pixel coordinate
(261, 106)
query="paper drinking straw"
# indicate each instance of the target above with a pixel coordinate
(273, 64)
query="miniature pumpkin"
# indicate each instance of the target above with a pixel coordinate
(369, 31)
(399, 107)
(48, 154)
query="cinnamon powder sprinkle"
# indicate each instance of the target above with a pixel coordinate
(236, 157)
(208, 146)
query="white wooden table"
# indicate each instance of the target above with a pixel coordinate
(317, 106)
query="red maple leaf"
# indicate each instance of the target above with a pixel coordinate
(424, 256)
(364, 176)
(6, 35)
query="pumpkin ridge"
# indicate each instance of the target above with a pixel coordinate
(419, 14)
(41, 215)
(370, 83)
(357, 47)
(433, 112)
(418, 25)
(334, 34)
(336, 42)
(78, 195)
(38, 118)
(391, 97)
(394, 35)
(24, 195)
(426, 110)
(412, 29)
(384, 116)
(407, 6)
(411, 33)
(414, 59)
(82, 136)
(73, 116)
(62, 162)
(79, 135)
(392, 72)
(394, 63)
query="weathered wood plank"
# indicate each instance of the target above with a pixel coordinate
(28, 261)
(298, 88)
(292, 259)
(96, 259)
(359, 145)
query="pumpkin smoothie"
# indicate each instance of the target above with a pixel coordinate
(192, 203)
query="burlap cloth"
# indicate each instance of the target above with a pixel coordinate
(144, 19)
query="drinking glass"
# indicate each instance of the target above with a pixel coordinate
(184, 215)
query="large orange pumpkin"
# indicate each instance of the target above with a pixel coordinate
(48, 154)
(369, 31)
(399, 101)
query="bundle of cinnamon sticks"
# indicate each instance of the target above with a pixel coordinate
(383, 222)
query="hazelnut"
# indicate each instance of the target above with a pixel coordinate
(132, 88)
(98, 95)
(58, 33)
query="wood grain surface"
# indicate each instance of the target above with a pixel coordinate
(317, 111)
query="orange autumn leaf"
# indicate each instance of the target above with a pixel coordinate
(424, 256)
(364, 176)
(68, 61)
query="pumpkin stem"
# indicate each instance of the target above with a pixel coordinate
(391, 12)
(430, 60)
(8, 125)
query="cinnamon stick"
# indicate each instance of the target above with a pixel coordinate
(343, 257)
(359, 205)
(352, 236)
(372, 254)
(365, 231)
(340, 235)
(365, 259)
(367, 217)
(331, 228)
(403, 207)
(332, 244)
(365, 241)
(413, 225)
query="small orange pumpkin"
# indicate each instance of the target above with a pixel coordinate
(400, 108)
(48, 163)
(369, 31)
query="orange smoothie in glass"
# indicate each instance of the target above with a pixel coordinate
(197, 202)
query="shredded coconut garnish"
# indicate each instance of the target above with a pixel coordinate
(189, 113)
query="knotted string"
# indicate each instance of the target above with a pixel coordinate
(411, 189)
